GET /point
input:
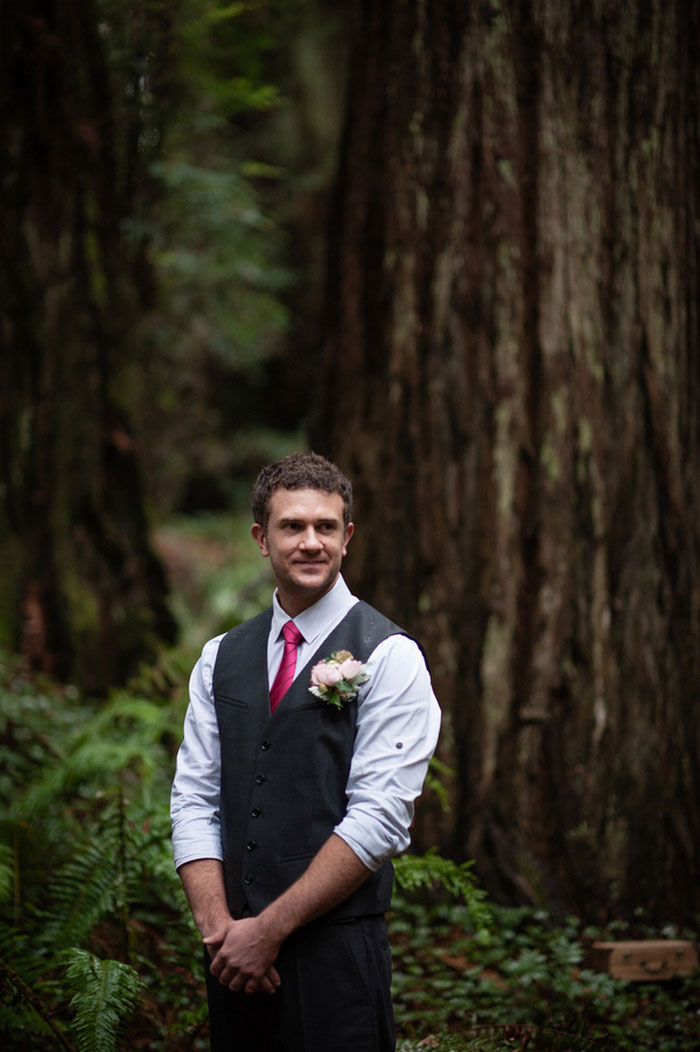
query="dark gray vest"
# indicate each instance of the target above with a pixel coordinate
(283, 777)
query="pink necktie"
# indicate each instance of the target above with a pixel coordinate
(285, 673)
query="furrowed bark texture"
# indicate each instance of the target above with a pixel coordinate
(510, 374)
(83, 595)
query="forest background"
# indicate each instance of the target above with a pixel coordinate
(454, 246)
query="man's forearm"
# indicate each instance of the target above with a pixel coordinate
(203, 881)
(243, 952)
(334, 874)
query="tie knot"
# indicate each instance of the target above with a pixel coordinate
(291, 633)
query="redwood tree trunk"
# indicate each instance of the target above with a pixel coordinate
(83, 595)
(510, 373)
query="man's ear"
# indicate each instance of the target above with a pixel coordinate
(349, 530)
(259, 537)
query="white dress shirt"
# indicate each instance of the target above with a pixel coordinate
(398, 720)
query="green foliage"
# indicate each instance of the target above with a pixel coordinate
(106, 991)
(501, 1039)
(217, 252)
(219, 576)
(83, 890)
(215, 244)
(530, 979)
(435, 780)
(88, 886)
(433, 871)
(214, 249)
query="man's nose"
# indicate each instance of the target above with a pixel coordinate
(310, 539)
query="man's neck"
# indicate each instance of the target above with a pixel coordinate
(294, 603)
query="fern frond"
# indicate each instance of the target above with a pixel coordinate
(149, 863)
(106, 992)
(432, 870)
(83, 890)
(125, 735)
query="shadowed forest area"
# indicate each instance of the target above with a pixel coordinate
(454, 246)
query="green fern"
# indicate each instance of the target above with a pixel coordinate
(432, 870)
(122, 737)
(106, 992)
(84, 843)
(83, 890)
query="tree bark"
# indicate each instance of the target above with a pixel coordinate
(510, 374)
(83, 594)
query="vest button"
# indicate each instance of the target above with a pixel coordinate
(248, 879)
(265, 745)
(256, 812)
(251, 845)
(259, 779)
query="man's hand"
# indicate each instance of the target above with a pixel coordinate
(241, 957)
(243, 953)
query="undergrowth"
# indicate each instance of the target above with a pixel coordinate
(527, 985)
(98, 951)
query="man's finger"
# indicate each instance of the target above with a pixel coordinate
(239, 982)
(263, 986)
(227, 975)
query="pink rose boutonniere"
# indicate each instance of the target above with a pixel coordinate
(338, 678)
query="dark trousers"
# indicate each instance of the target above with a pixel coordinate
(335, 996)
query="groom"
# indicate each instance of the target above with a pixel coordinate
(288, 802)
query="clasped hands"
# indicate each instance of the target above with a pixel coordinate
(242, 954)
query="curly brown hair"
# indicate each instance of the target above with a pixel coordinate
(300, 471)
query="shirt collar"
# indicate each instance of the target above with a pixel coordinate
(314, 621)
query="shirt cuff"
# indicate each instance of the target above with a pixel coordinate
(189, 849)
(352, 831)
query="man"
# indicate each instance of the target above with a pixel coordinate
(289, 800)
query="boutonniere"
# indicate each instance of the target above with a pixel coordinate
(338, 678)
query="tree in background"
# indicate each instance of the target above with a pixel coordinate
(510, 372)
(82, 592)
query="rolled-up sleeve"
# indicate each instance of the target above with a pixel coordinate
(194, 799)
(397, 730)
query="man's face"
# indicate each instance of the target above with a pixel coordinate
(305, 540)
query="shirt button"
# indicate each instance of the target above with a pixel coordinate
(248, 879)
(265, 745)
(256, 812)
(251, 845)
(259, 779)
